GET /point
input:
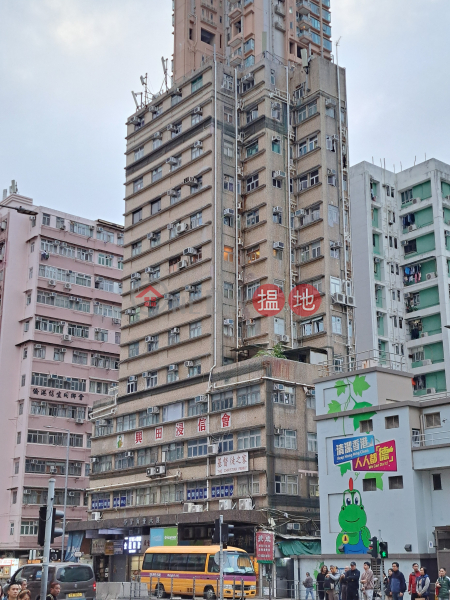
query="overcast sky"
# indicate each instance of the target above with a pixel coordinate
(67, 68)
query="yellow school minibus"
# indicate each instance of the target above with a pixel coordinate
(192, 571)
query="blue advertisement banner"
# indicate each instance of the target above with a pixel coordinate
(346, 449)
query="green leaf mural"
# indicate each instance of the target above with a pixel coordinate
(334, 407)
(340, 386)
(345, 467)
(378, 477)
(360, 385)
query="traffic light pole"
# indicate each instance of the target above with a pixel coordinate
(221, 558)
(48, 536)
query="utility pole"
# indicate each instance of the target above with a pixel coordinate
(48, 536)
(221, 558)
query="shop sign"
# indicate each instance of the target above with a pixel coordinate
(101, 504)
(138, 437)
(383, 459)
(164, 536)
(196, 494)
(135, 544)
(264, 546)
(55, 393)
(109, 547)
(158, 433)
(225, 420)
(345, 449)
(222, 491)
(232, 463)
(118, 546)
(98, 546)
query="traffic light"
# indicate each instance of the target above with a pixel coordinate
(227, 534)
(216, 532)
(56, 531)
(41, 528)
(384, 550)
(373, 547)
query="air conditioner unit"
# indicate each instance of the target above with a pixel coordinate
(190, 181)
(173, 193)
(285, 338)
(431, 276)
(248, 77)
(416, 200)
(135, 275)
(279, 175)
(188, 363)
(338, 298)
(424, 334)
(278, 386)
(245, 504)
(149, 338)
(172, 368)
(132, 378)
(116, 321)
(51, 282)
(201, 399)
(175, 330)
(240, 137)
(27, 492)
(71, 494)
(38, 346)
(431, 390)
(198, 144)
(406, 295)
(97, 329)
(278, 245)
(310, 392)
(404, 242)
(94, 459)
(240, 242)
(376, 259)
(171, 161)
(240, 277)
(213, 449)
(67, 338)
(151, 235)
(72, 298)
(190, 252)
(240, 105)
(96, 516)
(67, 286)
(336, 245)
(300, 212)
(63, 350)
(228, 212)
(153, 410)
(150, 269)
(187, 506)
(225, 504)
(99, 229)
(183, 264)
(198, 110)
(160, 470)
(277, 430)
(277, 210)
(250, 322)
(239, 171)
(53, 469)
(276, 138)
(350, 300)
(189, 288)
(78, 300)
(129, 454)
(330, 102)
(293, 526)
(240, 205)
(182, 227)
(79, 421)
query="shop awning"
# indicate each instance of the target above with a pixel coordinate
(298, 548)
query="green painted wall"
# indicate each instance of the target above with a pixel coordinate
(425, 243)
(376, 243)
(429, 297)
(434, 380)
(380, 321)
(432, 324)
(375, 217)
(422, 191)
(379, 298)
(377, 270)
(424, 217)
(428, 266)
(434, 352)
(445, 187)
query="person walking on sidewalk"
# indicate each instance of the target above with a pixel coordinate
(309, 586)
(412, 582)
(443, 585)
(398, 583)
(352, 579)
(367, 582)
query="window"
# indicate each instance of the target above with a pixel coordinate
(370, 484)
(196, 152)
(79, 358)
(252, 217)
(248, 395)
(196, 220)
(197, 447)
(253, 254)
(197, 84)
(222, 401)
(173, 336)
(172, 375)
(252, 149)
(277, 183)
(437, 482)
(125, 423)
(155, 206)
(226, 443)
(139, 153)
(228, 82)
(174, 301)
(151, 380)
(276, 145)
(392, 422)
(156, 174)
(314, 178)
(286, 484)
(251, 115)
(228, 183)
(122, 461)
(286, 439)
(228, 149)
(251, 438)
(133, 349)
(174, 451)
(407, 196)
(136, 248)
(228, 330)
(432, 420)
(228, 290)
(196, 408)
(228, 254)
(312, 442)
(195, 329)
(131, 385)
(336, 325)
(252, 182)
(28, 527)
(45, 219)
(138, 184)
(396, 482)
(136, 216)
(366, 426)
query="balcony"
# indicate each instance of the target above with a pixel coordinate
(235, 10)
(208, 5)
(279, 9)
(304, 21)
(236, 40)
(431, 438)
(303, 7)
(279, 24)
(209, 21)
(236, 57)
(304, 35)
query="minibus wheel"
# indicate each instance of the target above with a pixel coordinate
(159, 591)
(209, 593)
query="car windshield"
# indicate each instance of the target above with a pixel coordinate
(237, 563)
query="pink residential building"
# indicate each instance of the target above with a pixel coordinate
(60, 306)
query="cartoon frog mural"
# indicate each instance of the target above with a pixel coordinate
(354, 537)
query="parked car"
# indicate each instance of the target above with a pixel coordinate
(77, 580)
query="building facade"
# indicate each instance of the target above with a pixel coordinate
(401, 234)
(384, 462)
(60, 311)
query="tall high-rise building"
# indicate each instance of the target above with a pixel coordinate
(401, 240)
(236, 196)
(59, 350)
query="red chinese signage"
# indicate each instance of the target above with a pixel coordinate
(268, 299)
(138, 437)
(383, 459)
(158, 433)
(201, 424)
(264, 546)
(304, 300)
(225, 420)
(179, 429)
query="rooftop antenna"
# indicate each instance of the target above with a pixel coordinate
(141, 99)
(164, 62)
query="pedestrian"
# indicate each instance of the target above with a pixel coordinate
(443, 585)
(423, 584)
(387, 584)
(398, 583)
(320, 580)
(13, 591)
(331, 584)
(412, 582)
(352, 579)
(343, 584)
(24, 595)
(55, 589)
(309, 586)
(367, 582)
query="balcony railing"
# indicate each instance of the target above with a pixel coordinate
(363, 360)
(431, 438)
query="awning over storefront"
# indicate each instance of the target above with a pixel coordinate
(298, 548)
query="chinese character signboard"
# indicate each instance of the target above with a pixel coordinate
(268, 299)
(179, 429)
(304, 300)
(158, 433)
(383, 459)
(346, 449)
(201, 424)
(225, 420)
(232, 463)
(264, 546)
(138, 437)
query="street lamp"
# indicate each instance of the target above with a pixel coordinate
(65, 485)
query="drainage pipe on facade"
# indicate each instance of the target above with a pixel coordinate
(236, 229)
(288, 184)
